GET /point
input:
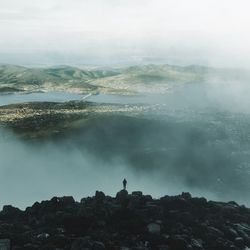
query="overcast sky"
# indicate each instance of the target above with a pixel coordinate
(213, 32)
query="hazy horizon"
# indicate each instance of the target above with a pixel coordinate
(185, 130)
(112, 32)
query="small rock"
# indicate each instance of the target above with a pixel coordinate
(154, 228)
(239, 242)
(186, 195)
(30, 246)
(122, 197)
(97, 245)
(42, 236)
(99, 196)
(196, 244)
(138, 193)
(4, 244)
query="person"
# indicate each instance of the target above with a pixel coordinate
(124, 184)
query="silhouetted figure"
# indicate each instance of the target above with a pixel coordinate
(124, 184)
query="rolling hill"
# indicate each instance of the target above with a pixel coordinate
(132, 80)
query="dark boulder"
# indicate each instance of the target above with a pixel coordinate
(122, 198)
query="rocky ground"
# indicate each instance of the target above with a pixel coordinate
(128, 221)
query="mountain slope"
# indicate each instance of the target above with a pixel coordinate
(61, 78)
(136, 79)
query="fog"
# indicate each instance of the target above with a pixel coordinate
(210, 32)
(30, 173)
(194, 139)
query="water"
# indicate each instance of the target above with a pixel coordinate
(53, 96)
(190, 96)
(202, 146)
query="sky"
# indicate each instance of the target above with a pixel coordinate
(209, 32)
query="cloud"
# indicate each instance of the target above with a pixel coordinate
(216, 28)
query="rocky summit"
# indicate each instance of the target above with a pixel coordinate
(127, 221)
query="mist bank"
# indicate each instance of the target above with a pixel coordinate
(193, 139)
(33, 171)
(158, 156)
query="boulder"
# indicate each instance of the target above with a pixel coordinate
(10, 211)
(97, 245)
(81, 243)
(67, 200)
(196, 244)
(4, 244)
(137, 193)
(154, 228)
(99, 196)
(178, 242)
(239, 242)
(186, 195)
(122, 197)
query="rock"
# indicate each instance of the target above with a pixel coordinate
(97, 245)
(30, 246)
(186, 196)
(132, 221)
(10, 211)
(196, 244)
(4, 244)
(99, 196)
(178, 242)
(43, 236)
(163, 247)
(199, 201)
(134, 201)
(81, 243)
(122, 197)
(147, 198)
(154, 228)
(239, 242)
(231, 233)
(67, 201)
(214, 232)
(137, 193)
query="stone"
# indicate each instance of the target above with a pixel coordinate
(134, 201)
(4, 244)
(132, 221)
(67, 200)
(178, 242)
(138, 193)
(81, 243)
(9, 210)
(186, 195)
(97, 245)
(231, 233)
(42, 236)
(122, 197)
(30, 246)
(154, 228)
(239, 242)
(99, 196)
(196, 244)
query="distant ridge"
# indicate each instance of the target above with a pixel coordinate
(131, 80)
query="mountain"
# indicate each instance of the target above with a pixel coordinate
(53, 78)
(149, 78)
(136, 79)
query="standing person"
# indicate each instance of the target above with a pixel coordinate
(124, 184)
